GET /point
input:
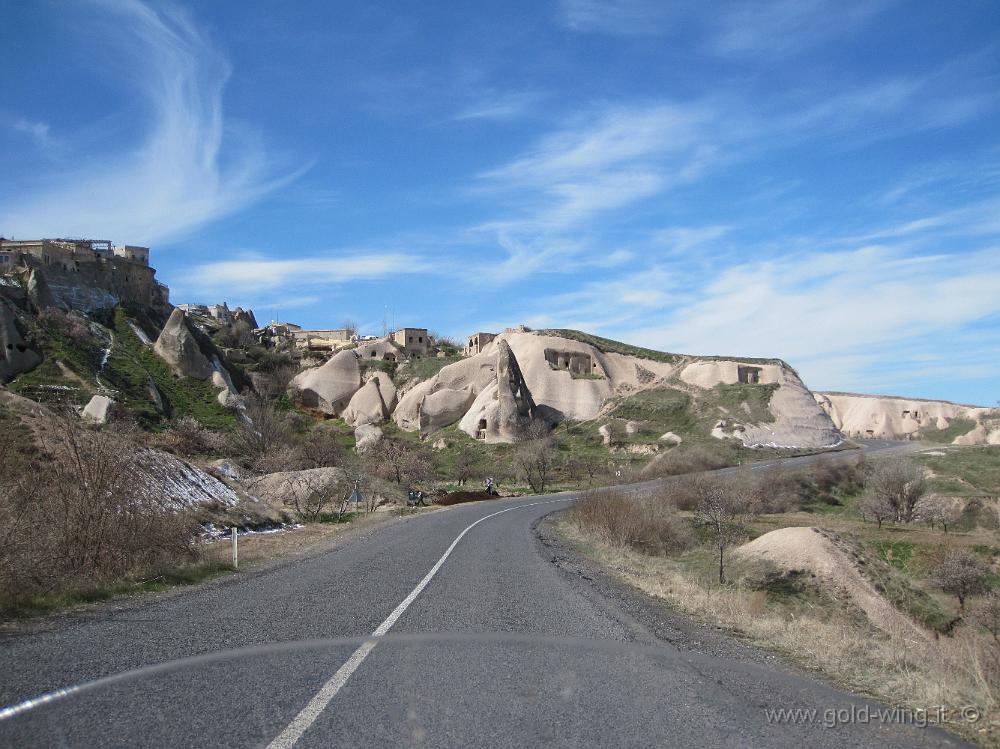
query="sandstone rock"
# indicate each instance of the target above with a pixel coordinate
(443, 408)
(329, 388)
(387, 389)
(154, 395)
(505, 410)
(366, 435)
(893, 418)
(98, 409)
(671, 438)
(178, 347)
(440, 444)
(605, 431)
(15, 356)
(407, 412)
(39, 292)
(367, 406)
(224, 381)
(633, 427)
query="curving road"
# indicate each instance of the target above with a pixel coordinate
(489, 644)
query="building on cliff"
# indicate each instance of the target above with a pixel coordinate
(88, 274)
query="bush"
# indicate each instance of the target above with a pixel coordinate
(691, 459)
(73, 521)
(624, 520)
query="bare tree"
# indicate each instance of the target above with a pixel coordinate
(261, 433)
(877, 508)
(723, 511)
(535, 461)
(901, 483)
(986, 614)
(398, 460)
(935, 509)
(312, 496)
(962, 574)
(467, 464)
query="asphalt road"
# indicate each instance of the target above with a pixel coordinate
(489, 644)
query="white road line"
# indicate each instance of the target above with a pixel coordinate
(307, 716)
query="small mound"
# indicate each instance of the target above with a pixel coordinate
(455, 498)
(795, 549)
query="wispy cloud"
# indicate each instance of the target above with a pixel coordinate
(255, 273)
(188, 169)
(39, 132)
(500, 107)
(626, 17)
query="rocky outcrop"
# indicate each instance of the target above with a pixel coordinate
(894, 418)
(15, 355)
(443, 408)
(39, 293)
(505, 410)
(98, 409)
(367, 405)
(178, 347)
(328, 388)
(366, 435)
(797, 419)
(245, 316)
(224, 382)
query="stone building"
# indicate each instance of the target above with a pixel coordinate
(479, 341)
(413, 342)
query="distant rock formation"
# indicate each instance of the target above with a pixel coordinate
(894, 418)
(328, 388)
(443, 407)
(15, 355)
(178, 347)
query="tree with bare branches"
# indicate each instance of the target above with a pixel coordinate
(898, 482)
(724, 509)
(962, 574)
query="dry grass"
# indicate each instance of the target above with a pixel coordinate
(832, 640)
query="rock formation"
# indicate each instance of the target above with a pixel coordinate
(38, 291)
(98, 409)
(443, 407)
(893, 418)
(505, 410)
(328, 388)
(797, 420)
(178, 347)
(367, 406)
(15, 356)
(365, 436)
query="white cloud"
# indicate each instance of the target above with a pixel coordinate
(190, 168)
(39, 132)
(255, 274)
(829, 312)
(628, 17)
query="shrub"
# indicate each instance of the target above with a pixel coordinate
(963, 574)
(624, 520)
(74, 521)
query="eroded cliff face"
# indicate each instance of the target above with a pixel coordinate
(895, 418)
(523, 378)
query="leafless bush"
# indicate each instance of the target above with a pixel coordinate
(624, 520)
(898, 482)
(262, 440)
(186, 436)
(399, 461)
(467, 464)
(962, 574)
(986, 614)
(78, 521)
(689, 459)
(320, 448)
(66, 324)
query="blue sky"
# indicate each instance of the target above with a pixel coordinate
(817, 180)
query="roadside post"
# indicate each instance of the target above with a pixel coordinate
(236, 548)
